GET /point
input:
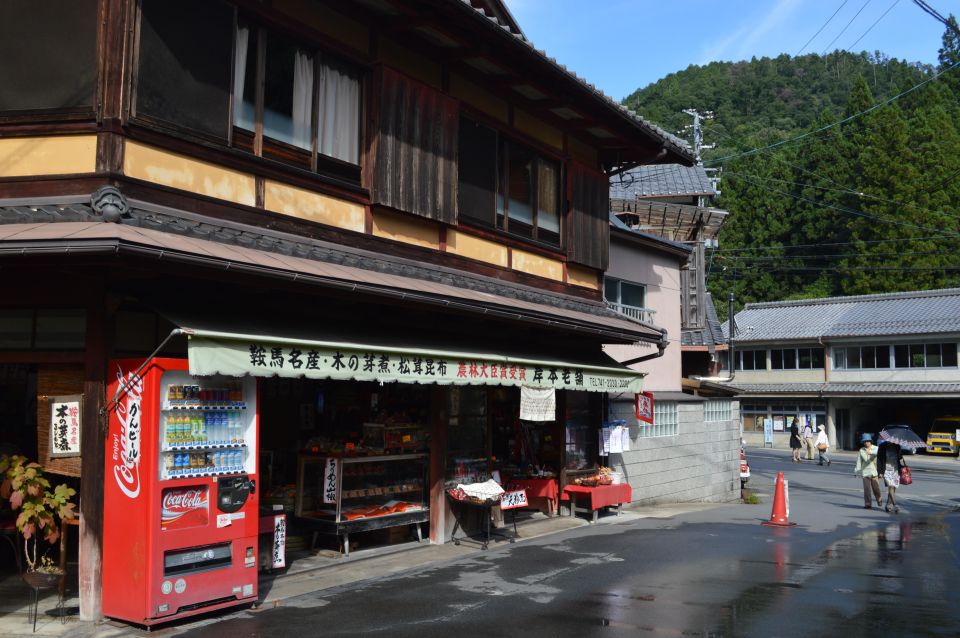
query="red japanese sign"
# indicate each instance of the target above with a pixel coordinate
(644, 406)
(185, 507)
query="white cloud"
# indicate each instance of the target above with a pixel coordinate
(743, 42)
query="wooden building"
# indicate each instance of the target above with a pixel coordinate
(408, 171)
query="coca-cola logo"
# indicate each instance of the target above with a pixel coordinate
(127, 469)
(184, 501)
(184, 507)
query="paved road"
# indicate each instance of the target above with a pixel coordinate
(843, 571)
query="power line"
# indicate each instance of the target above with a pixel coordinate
(849, 211)
(837, 243)
(882, 16)
(936, 14)
(848, 191)
(843, 121)
(842, 4)
(766, 258)
(844, 30)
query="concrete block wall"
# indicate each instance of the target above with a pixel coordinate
(699, 464)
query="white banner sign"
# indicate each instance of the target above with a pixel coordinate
(65, 426)
(238, 357)
(330, 480)
(538, 404)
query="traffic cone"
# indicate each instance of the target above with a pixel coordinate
(779, 516)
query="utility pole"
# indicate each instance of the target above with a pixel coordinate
(698, 131)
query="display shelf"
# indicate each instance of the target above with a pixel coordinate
(382, 491)
(179, 474)
(200, 447)
(198, 407)
(344, 494)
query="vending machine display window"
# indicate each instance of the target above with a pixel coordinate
(206, 426)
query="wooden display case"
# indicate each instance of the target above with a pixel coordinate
(341, 495)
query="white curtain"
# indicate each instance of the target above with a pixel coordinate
(241, 117)
(338, 94)
(302, 99)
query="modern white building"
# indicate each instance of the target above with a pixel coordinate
(853, 364)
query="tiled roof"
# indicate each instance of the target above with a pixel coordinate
(776, 388)
(661, 180)
(712, 334)
(925, 312)
(150, 226)
(850, 389)
(672, 142)
(881, 389)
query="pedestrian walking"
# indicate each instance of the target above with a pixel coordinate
(890, 464)
(823, 445)
(808, 440)
(866, 468)
(796, 443)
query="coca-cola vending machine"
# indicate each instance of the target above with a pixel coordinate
(180, 501)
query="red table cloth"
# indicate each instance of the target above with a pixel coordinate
(537, 488)
(601, 495)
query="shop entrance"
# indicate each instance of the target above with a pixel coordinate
(347, 461)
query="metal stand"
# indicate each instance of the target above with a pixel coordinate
(487, 516)
(34, 608)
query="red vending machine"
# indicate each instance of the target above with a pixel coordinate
(180, 501)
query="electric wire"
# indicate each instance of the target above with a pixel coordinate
(824, 26)
(850, 118)
(842, 31)
(882, 16)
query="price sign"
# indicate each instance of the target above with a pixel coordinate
(330, 480)
(279, 552)
(513, 500)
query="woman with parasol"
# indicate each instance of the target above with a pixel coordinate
(894, 438)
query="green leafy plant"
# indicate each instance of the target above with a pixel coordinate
(28, 490)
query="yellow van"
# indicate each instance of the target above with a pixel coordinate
(942, 438)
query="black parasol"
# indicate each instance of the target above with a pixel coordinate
(903, 436)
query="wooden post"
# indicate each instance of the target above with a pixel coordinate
(438, 455)
(92, 469)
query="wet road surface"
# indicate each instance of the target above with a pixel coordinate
(716, 573)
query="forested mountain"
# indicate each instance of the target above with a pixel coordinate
(865, 206)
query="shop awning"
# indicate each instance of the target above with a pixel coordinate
(236, 354)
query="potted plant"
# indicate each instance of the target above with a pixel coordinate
(28, 491)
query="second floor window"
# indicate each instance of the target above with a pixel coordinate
(913, 355)
(624, 293)
(290, 102)
(925, 355)
(750, 359)
(796, 359)
(507, 186)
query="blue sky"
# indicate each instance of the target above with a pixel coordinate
(623, 45)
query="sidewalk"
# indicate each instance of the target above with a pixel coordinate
(313, 574)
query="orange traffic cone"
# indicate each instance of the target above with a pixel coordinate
(779, 516)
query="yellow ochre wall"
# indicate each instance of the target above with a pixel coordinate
(409, 230)
(313, 207)
(59, 155)
(178, 171)
(484, 250)
(536, 265)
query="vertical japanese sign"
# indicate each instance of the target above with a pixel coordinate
(644, 406)
(65, 425)
(330, 480)
(279, 551)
